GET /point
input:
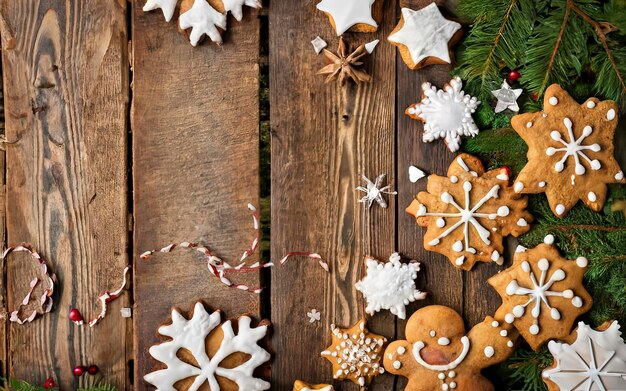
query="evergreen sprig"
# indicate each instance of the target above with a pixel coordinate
(579, 44)
(22, 385)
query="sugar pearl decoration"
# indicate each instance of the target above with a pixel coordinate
(553, 101)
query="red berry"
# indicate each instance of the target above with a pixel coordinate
(535, 96)
(79, 370)
(49, 384)
(514, 75)
(92, 370)
(75, 316)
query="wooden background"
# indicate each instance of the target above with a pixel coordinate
(121, 137)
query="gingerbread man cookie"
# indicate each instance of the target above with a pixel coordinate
(355, 353)
(438, 355)
(570, 151)
(542, 293)
(468, 212)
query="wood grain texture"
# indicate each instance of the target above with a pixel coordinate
(66, 99)
(195, 161)
(323, 138)
(3, 304)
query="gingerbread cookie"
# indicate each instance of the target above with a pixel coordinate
(424, 37)
(437, 355)
(542, 293)
(446, 113)
(353, 15)
(594, 360)
(390, 285)
(355, 353)
(299, 385)
(344, 65)
(202, 350)
(468, 212)
(570, 151)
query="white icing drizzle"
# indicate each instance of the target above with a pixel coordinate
(553, 100)
(549, 239)
(397, 364)
(357, 354)
(610, 115)
(191, 335)
(446, 113)
(592, 196)
(443, 341)
(560, 209)
(595, 361)
(419, 345)
(203, 20)
(542, 184)
(518, 187)
(347, 13)
(522, 222)
(489, 351)
(529, 124)
(432, 333)
(466, 215)
(619, 176)
(574, 148)
(591, 104)
(539, 293)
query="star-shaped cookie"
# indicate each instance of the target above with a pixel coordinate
(355, 353)
(344, 14)
(507, 97)
(542, 293)
(167, 6)
(424, 37)
(468, 212)
(570, 151)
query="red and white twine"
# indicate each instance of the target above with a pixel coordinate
(104, 298)
(48, 278)
(220, 268)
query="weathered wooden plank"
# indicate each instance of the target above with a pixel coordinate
(66, 99)
(3, 307)
(195, 161)
(321, 145)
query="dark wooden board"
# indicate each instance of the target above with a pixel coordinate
(195, 162)
(66, 98)
(323, 138)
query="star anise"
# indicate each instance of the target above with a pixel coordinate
(342, 65)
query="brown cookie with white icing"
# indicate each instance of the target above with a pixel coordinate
(468, 212)
(299, 385)
(438, 355)
(570, 151)
(350, 15)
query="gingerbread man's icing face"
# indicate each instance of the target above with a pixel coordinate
(437, 354)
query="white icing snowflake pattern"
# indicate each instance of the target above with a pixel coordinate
(390, 285)
(596, 361)
(465, 216)
(446, 113)
(540, 291)
(374, 191)
(574, 148)
(191, 335)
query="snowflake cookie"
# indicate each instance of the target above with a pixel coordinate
(201, 16)
(354, 15)
(196, 356)
(374, 191)
(424, 37)
(446, 113)
(570, 151)
(355, 353)
(437, 355)
(299, 385)
(468, 212)
(390, 286)
(596, 360)
(542, 293)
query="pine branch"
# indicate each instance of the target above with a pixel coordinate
(489, 60)
(555, 50)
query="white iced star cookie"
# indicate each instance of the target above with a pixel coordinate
(507, 97)
(235, 7)
(596, 360)
(446, 113)
(349, 14)
(424, 37)
(390, 286)
(167, 6)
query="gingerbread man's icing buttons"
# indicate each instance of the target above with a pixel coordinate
(570, 151)
(468, 212)
(454, 365)
(355, 353)
(542, 293)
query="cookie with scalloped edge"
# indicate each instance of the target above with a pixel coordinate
(570, 151)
